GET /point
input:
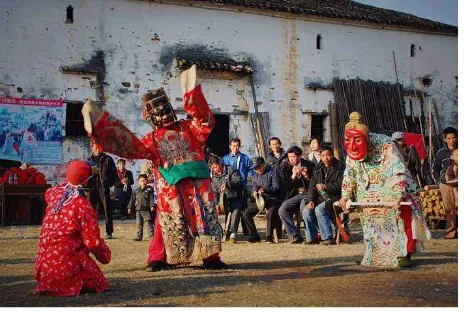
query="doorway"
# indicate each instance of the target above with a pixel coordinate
(218, 140)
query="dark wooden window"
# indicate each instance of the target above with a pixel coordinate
(413, 50)
(317, 125)
(70, 14)
(74, 119)
(319, 42)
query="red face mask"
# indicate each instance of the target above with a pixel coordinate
(356, 144)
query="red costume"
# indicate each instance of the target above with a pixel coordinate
(69, 234)
(186, 224)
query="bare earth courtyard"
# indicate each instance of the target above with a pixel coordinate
(259, 275)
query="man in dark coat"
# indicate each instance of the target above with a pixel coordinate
(228, 181)
(99, 195)
(276, 155)
(266, 183)
(324, 190)
(123, 186)
(296, 177)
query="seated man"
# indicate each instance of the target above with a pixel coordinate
(228, 181)
(441, 164)
(266, 183)
(69, 234)
(449, 189)
(297, 174)
(324, 190)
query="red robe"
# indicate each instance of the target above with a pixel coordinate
(64, 266)
(186, 224)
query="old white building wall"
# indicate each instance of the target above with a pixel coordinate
(140, 40)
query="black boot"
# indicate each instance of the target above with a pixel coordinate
(297, 239)
(156, 266)
(214, 265)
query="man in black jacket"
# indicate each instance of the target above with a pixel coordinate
(276, 155)
(228, 181)
(266, 183)
(296, 177)
(324, 190)
(123, 186)
(99, 195)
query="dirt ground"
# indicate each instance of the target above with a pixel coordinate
(259, 275)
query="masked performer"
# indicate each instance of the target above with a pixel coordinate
(186, 224)
(375, 173)
(69, 234)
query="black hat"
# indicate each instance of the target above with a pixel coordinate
(257, 161)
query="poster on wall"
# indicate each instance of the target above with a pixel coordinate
(31, 130)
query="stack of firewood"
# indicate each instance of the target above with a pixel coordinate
(432, 203)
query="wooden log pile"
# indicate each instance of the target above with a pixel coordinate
(432, 203)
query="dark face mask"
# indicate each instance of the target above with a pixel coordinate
(157, 109)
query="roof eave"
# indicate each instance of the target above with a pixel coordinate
(312, 18)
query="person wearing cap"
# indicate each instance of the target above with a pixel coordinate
(408, 153)
(265, 183)
(375, 172)
(69, 234)
(228, 181)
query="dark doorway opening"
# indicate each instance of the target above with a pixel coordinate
(317, 125)
(218, 140)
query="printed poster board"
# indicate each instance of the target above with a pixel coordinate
(31, 130)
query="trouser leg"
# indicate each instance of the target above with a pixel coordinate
(108, 209)
(235, 209)
(310, 222)
(272, 218)
(156, 250)
(449, 202)
(247, 218)
(244, 206)
(406, 216)
(139, 224)
(286, 211)
(150, 227)
(324, 216)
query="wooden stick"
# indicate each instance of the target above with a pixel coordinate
(261, 149)
(399, 94)
(389, 204)
(430, 133)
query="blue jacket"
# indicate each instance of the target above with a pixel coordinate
(244, 165)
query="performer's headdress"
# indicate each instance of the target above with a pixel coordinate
(355, 123)
(157, 109)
